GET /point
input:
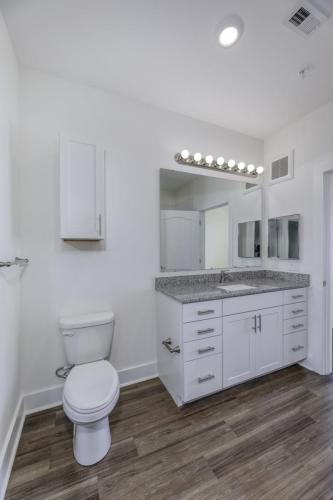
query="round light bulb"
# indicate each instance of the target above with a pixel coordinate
(228, 36)
(185, 154)
(220, 161)
(260, 170)
(197, 157)
(209, 159)
(231, 163)
(241, 165)
(250, 168)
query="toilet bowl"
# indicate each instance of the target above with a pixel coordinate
(91, 388)
(91, 392)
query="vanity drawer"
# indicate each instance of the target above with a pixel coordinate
(202, 376)
(292, 296)
(294, 347)
(294, 310)
(295, 324)
(202, 329)
(202, 310)
(203, 347)
(236, 305)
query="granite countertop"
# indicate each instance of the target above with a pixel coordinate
(204, 287)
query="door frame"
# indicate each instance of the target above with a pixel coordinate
(230, 242)
(328, 271)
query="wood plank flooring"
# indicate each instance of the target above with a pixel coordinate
(267, 439)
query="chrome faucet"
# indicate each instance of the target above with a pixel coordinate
(225, 276)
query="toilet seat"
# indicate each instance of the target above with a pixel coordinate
(91, 391)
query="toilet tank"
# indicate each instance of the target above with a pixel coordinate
(87, 337)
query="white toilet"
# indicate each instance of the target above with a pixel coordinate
(92, 387)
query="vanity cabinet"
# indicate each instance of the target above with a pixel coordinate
(204, 347)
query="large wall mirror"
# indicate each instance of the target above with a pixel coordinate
(208, 223)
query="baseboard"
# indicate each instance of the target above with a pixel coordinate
(43, 399)
(136, 374)
(9, 449)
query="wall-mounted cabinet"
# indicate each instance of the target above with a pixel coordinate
(82, 199)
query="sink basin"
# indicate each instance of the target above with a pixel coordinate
(235, 288)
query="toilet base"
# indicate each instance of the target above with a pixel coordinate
(91, 441)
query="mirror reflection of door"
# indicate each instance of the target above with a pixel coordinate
(180, 240)
(216, 237)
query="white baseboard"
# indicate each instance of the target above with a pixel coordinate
(10, 446)
(49, 398)
(136, 374)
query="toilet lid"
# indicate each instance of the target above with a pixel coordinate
(91, 385)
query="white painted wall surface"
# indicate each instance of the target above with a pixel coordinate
(312, 139)
(9, 278)
(119, 274)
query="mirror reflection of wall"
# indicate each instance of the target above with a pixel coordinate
(283, 237)
(199, 219)
(249, 239)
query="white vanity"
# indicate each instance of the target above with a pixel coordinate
(210, 345)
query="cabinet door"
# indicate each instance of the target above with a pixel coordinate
(269, 340)
(238, 348)
(81, 190)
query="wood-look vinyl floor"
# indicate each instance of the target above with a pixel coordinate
(271, 438)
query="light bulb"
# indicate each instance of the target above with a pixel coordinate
(185, 154)
(260, 170)
(220, 161)
(197, 157)
(231, 163)
(228, 36)
(209, 159)
(241, 165)
(250, 168)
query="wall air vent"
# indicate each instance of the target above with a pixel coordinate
(306, 18)
(282, 167)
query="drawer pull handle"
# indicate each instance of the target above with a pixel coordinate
(167, 343)
(297, 296)
(206, 349)
(298, 348)
(208, 330)
(206, 378)
(207, 311)
(299, 325)
(297, 311)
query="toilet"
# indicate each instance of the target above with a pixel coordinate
(91, 388)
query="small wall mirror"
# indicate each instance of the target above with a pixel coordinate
(199, 222)
(283, 237)
(249, 239)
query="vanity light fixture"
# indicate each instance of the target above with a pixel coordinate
(231, 167)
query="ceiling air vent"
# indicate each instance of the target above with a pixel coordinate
(306, 18)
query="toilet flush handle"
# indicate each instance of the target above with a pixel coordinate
(69, 333)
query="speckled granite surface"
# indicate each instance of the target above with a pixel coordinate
(198, 288)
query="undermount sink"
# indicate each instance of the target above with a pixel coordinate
(235, 288)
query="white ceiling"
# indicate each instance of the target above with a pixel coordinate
(164, 52)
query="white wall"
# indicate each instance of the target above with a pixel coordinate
(64, 278)
(9, 278)
(312, 139)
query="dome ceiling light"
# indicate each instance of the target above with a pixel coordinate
(230, 31)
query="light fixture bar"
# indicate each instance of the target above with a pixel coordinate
(220, 164)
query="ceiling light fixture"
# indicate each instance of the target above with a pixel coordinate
(208, 162)
(230, 31)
